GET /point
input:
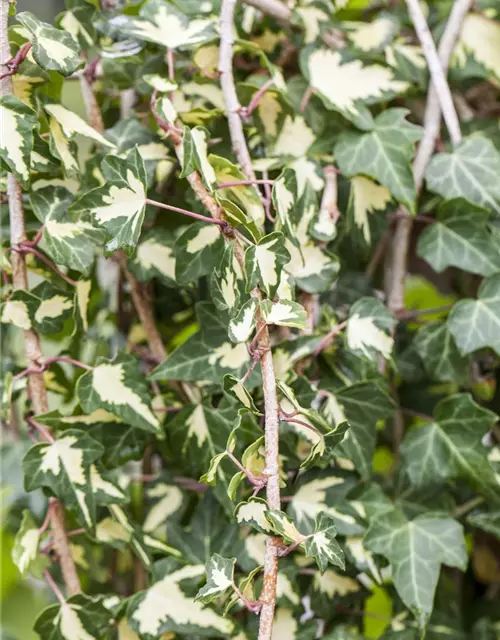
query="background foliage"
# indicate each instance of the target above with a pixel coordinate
(389, 457)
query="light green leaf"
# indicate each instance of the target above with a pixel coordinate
(439, 353)
(119, 205)
(470, 171)
(450, 448)
(284, 526)
(369, 327)
(384, 154)
(243, 324)
(16, 145)
(25, 553)
(475, 324)
(220, 578)
(264, 263)
(284, 313)
(210, 477)
(166, 607)
(460, 238)
(416, 549)
(488, 521)
(347, 85)
(119, 387)
(79, 618)
(155, 257)
(72, 124)
(194, 156)
(64, 467)
(322, 546)
(237, 390)
(69, 240)
(163, 24)
(53, 49)
(197, 251)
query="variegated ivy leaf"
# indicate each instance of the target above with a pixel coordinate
(440, 355)
(18, 309)
(208, 355)
(311, 18)
(415, 572)
(64, 467)
(25, 553)
(72, 124)
(81, 304)
(347, 86)
(211, 476)
(42, 159)
(237, 390)
(369, 328)
(194, 156)
(227, 284)
(166, 607)
(105, 488)
(374, 36)
(45, 308)
(475, 324)
(313, 269)
(284, 313)
(469, 171)
(118, 205)
(450, 448)
(77, 21)
(477, 40)
(155, 257)
(53, 49)
(168, 500)
(197, 251)
(294, 140)
(162, 23)
(220, 578)
(242, 325)
(67, 239)
(286, 354)
(366, 197)
(26, 82)
(284, 526)
(245, 196)
(118, 386)
(264, 263)
(16, 145)
(161, 84)
(285, 197)
(62, 148)
(322, 546)
(253, 514)
(80, 617)
(460, 238)
(384, 154)
(235, 216)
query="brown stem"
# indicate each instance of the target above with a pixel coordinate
(239, 183)
(245, 112)
(46, 363)
(410, 315)
(252, 606)
(257, 481)
(42, 430)
(186, 212)
(57, 592)
(12, 64)
(28, 248)
(329, 337)
(38, 393)
(92, 108)
(46, 522)
(308, 94)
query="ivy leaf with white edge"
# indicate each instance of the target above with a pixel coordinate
(162, 23)
(80, 617)
(237, 390)
(460, 238)
(285, 197)
(477, 41)
(45, 308)
(384, 154)
(450, 448)
(168, 499)
(284, 313)
(16, 145)
(264, 263)
(284, 526)
(347, 86)
(166, 607)
(415, 573)
(440, 355)
(64, 467)
(25, 553)
(366, 197)
(245, 196)
(207, 355)
(19, 309)
(194, 156)
(475, 324)
(118, 386)
(313, 269)
(197, 251)
(72, 124)
(81, 304)
(322, 546)
(53, 49)
(119, 205)
(105, 488)
(220, 578)
(64, 149)
(67, 239)
(374, 36)
(253, 513)
(155, 257)
(234, 215)
(469, 171)
(242, 325)
(77, 21)
(369, 328)
(211, 476)
(227, 284)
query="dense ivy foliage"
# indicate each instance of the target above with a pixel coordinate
(337, 288)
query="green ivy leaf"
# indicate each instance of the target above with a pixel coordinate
(71, 124)
(475, 324)
(197, 251)
(17, 138)
(80, 616)
(227, 284)
(53, 49)
(45, 308)
(384, 154)
(237, 390)
(119, 387)
(195, 157)
(25, 553)
(322, 546)
(64, 467)
(439, 353)
(220, 578)
(470, 171)
(416, 549)
(284, 313)
(264, 263)
(450, 448)
(155, 257)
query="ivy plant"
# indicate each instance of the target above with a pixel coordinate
(251, 318)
